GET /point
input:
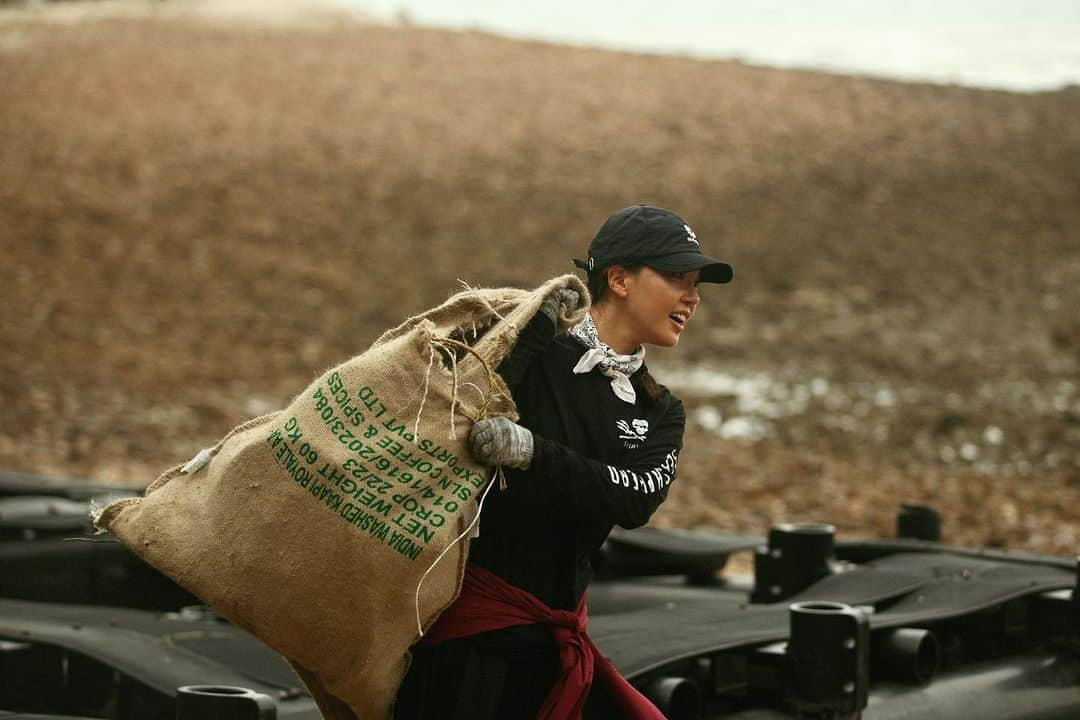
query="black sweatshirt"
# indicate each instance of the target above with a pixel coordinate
(598, 461)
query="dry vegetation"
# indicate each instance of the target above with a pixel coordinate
(197, 219)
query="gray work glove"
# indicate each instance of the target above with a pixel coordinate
(499, 441)
(559, 297)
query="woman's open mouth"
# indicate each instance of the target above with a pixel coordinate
(679, 318)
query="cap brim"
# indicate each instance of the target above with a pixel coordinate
(712, 270)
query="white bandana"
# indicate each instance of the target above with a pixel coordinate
(611, 364)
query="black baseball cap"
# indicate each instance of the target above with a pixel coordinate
(655, 237)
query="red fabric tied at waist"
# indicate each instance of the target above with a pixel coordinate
(487, 602)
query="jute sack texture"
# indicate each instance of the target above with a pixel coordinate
(313, 526)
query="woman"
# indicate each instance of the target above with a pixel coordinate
(596, 446)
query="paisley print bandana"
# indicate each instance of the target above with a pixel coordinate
(611, 364)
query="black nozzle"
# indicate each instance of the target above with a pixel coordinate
(678, 698)
(918, 522)
(907, 655)
(223, 702)
(798, 555)
(1076, 600)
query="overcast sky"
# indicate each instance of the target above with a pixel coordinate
(1032, 45)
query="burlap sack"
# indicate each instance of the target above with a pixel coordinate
(312, 527)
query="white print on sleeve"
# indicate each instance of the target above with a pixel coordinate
(649, 481)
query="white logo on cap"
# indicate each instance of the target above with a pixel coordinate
(691, 236)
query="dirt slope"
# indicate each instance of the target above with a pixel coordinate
(198, 218)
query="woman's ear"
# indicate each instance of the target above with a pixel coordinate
(616, 279)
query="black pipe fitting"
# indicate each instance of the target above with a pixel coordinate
(907, 655)
(798, 555)
(678, 698)
(828, 659)
(223, 702)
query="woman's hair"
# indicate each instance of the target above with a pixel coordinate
(597, 283)
(597, 279)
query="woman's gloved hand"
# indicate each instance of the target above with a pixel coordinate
(500, 441)
(559, 297)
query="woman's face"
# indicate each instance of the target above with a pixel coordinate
(660, 304)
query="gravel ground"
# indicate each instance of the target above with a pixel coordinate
(199, 217)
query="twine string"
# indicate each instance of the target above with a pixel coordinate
(464, 534)
(427, 384)
(450, 345)
(453, 394)
(485, 302)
